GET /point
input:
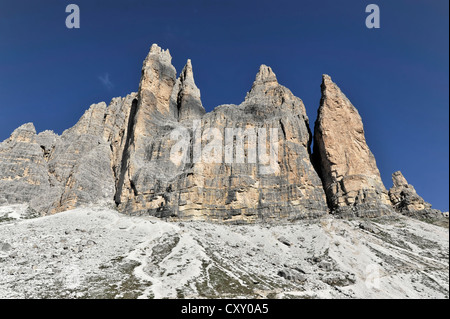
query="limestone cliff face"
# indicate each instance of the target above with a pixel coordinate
(158, 152)
(215, 187)
(162, 102)
(85, 159)
(54, 173)
(349, 172)
(287, 187)
(23, 167)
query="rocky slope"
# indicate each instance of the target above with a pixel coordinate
(157, 152)
(99, 253)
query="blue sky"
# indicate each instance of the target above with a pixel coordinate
(397, 76)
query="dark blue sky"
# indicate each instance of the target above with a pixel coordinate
(397, 76)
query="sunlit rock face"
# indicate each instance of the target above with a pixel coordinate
(274, 179)
(157, 152)
(348, 168)
(240, 163)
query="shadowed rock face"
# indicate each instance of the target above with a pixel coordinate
(239, 163)
(348, 169)
(55, 173)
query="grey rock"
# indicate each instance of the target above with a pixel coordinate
(292, 275)
(90, 243)
(120, 155)
(285, 241)
(14, 254)
(54, 173)
(5, 247)
(22, 262)
(325, 265)
(338, 279)
(369, 227)
(189, 104)
(406, 201)
(23, 169)
(229, 192)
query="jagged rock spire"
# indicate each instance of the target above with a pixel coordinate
(267, 96)
(162, 95)
(189, 104)
(265, 75)
(264, 81)
(187, 75)
(123, 153)
(399, 180)
(348, 168)
(406, 201)
(156, 53)
(156, 85)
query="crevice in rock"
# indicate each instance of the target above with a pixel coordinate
(316, 159)
(283, 129)
(179, 98)
(133, 187)
(126, 152)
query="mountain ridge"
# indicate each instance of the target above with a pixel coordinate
(121, 154)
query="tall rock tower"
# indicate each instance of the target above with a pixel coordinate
(348, 169)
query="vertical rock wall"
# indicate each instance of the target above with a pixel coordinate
(239, 163)
(348, 168)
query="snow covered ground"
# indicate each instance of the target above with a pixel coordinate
(96, 252)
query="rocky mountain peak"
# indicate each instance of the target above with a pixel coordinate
(24, 133)
(265, 75)
(157, 53)
(156, 85)
(187, 72)
(187, 77)
(267, 96)
(398, 179)
(122, 154)
(189, 104)
(326, 79)
(265, 80)
(332, 93)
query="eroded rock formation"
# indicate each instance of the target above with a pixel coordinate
(24, 173)
(349, 172)
(158, 152)
(217, 188)
(406, 201)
